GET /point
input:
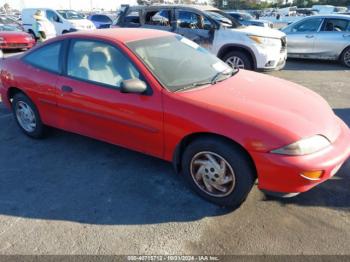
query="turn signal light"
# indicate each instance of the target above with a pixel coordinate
(312, 175)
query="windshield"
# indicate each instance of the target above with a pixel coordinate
(9, 28)
(7, 20)
(70, 14)
(179, 63)
(247, 16)
(222, 18)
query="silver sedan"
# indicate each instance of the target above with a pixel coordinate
(320, 37)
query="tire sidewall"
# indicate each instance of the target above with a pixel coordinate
(39, 128)
(343, 57)
(240, 163)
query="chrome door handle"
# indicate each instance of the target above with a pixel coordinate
(309, 36)
(346, 35)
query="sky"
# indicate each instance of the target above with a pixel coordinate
(66, 4)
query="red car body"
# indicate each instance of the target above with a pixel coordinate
(259, 112)
(16, 40)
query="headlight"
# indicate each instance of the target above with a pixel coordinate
(265, 41)
(2, 39)
(304, 146)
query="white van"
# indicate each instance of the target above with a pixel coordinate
(64, 21)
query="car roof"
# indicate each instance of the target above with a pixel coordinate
(330, 16)
(197, 7)
(122, 35)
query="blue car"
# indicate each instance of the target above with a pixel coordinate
(101, 21)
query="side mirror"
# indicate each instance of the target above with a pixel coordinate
(135, 86)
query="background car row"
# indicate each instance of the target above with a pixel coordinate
(249, 43)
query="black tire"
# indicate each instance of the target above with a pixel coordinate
(248, 64)
(39, 130)
(243, 168)
(345, 56)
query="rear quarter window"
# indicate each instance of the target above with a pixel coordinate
(46, 57)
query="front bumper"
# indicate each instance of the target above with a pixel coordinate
(270, 59)
(17, 45)
(282, 174)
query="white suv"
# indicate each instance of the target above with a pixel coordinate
(249, 47)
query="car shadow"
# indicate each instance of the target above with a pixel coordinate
(294, 64)
(344, 114)
(333, 193)
(73, 178)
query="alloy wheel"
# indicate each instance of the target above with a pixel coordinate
(235, 62)
(347, 58)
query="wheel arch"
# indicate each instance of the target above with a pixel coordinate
(12, 91)
(236, 47)
(187, 140)
(342, 52)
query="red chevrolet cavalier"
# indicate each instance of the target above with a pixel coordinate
(163, 95)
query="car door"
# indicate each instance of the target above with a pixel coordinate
(56, 21)
(301, 37)
(160, 19)
(333, 38)
(91, 103)
(43, 68)
(194, 26)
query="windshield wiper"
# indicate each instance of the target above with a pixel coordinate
(214, 80)
(192, 86)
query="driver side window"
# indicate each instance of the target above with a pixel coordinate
(189, 20)
(100, 63)
(310, 25)
(52, 16)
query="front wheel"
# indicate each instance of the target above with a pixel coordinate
(27, 116)
(345, 57)
(218, 171)
(238, 59)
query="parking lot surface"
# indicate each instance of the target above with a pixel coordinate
(68, 194)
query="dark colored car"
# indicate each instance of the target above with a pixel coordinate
(100, 20)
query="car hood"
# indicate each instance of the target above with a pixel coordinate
(14, 35)
(267, 102)
(261, 31)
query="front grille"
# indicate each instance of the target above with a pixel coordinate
(283, 44)
(16, 45)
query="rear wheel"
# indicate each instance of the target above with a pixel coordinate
(27, 116)
(345, 57)
(238, 59)
(220, 172)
